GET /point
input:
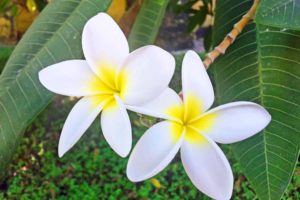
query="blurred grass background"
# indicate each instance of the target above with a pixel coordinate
(91, 170)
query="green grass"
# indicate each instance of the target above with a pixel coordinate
(91, 170)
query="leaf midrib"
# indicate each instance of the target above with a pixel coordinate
(261, 97)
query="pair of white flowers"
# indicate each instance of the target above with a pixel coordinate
(112, 80)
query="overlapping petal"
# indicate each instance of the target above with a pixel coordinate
(116, 126)
(146, 74)
(167, 105)
(208, 168)
(79, 120)
(104, 45)
(233, 122)
(72, 78)
(196, 85)
(154, 151)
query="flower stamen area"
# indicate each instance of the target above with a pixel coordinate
(189, 119)
(109, 81)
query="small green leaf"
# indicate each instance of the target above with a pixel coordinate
(197, 19)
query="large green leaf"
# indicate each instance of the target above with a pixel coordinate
(147, 23)
(55, 36)
(263, 65)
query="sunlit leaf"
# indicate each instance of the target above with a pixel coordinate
(5, 29)
(31, 5)
(24, 19)
(155, 183)
(117, 9)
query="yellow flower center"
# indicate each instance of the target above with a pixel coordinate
(188, 118)
(108, 82)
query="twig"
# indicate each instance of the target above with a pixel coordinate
(127, 20)
(231, 36)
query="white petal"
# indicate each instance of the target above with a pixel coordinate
(195, 82)
(147, 73)
(116, 127)
(208, 168)
(233, 122)
(154, 151)
(79, 120)
(104, 43)
(72, 78)
(161, 106)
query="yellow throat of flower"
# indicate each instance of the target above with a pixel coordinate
(109, 81)
(188, 118)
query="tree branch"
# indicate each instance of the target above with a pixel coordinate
(231, 36)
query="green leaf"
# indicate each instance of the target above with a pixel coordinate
(55, 36)
(3, 5)
(262, 65)
(197, 19)
(147, 23)
(208, 39)
(283, 14)
(5, 52)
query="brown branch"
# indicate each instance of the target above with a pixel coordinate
(127, 20)
(231, 36)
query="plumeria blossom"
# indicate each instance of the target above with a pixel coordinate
(108, 80)
(195, 131)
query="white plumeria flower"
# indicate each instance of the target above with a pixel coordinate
(109, 79)
(194, 130)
